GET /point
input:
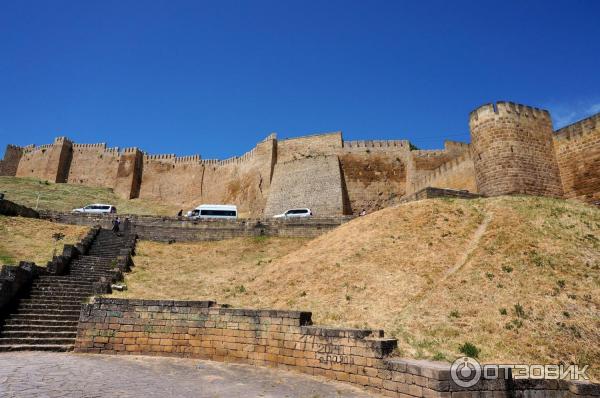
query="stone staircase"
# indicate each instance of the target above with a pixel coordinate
(46, 319)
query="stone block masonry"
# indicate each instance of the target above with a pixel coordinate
(578, 153)
(309, 182)
(283, 339)
(513, 150)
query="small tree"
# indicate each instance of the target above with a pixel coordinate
(58, 236)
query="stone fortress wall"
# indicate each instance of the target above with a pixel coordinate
(514, 150)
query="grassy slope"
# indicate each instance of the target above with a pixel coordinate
(26, 239)
(204, 269)
(65, 197)
(516, 276)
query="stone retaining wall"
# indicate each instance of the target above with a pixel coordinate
(8, 208)
(284, 339)
(170, 229)
(430, 193)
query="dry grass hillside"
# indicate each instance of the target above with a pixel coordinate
(65, 197)
(518, 277)
(27, 239)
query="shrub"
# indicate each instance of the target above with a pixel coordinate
(503, 311)
(520, 311)
(469, 350)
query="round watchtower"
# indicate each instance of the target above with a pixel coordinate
(513, 150)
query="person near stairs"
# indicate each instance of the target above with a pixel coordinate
(115, 228)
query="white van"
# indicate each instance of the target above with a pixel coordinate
(96, 208)
(228, 212)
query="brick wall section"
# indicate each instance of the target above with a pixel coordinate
(47, 162)
(129, 173)
(513, 150)
(314, 182)
(458, 173)
(373, 179)
(283, 339)
(423, 163)
(10, 163)
(309, 146)
(165, 229)
(578, 153)
(94, 165)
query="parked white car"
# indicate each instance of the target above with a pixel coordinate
(96, 208)
(294, 213)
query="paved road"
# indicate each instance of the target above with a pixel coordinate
(38, 374)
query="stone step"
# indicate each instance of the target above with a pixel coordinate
(73, 285)
(43, 295)
(40, 323)
(73, 282)
(46, 317)
(39, 334)
(36, 347)
(40, 327)
(65, 289)
(36, 340)
(75, 306)
(52, 301)
(49, 311)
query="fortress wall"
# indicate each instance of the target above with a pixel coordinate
(49, 162)
(373, 179)
(577, 150)
(171, 182)
(191, 181)
(458, 173)
(422, 163)
(314, 182)
(94, 165)
(309, 146)
(129, 173)
(10, 163)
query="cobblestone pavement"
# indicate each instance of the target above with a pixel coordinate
(39, 374)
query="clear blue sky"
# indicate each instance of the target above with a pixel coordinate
(215, 77)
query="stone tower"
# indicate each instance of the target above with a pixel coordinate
(513, 150)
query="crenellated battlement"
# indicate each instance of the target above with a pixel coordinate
(130, 150)
(60, 140)
(191, 159)
(505, 109)
(428, 153)
(15, 147)
(579, 129)
(101, 145)
(376, 144)
(164, 157)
